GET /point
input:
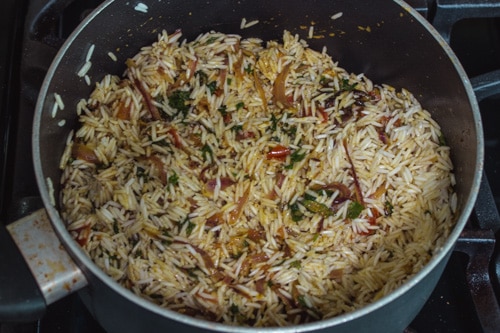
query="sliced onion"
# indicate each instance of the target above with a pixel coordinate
(235, 214)
(279, 88)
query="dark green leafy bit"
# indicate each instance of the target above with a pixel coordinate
(207, 153)
(234, 309)
(211, 40)
(178, 100)
(308, 196)
(237, 128)
(324, 81)
(442, 140)
(345, 86)
(295, 157)
(274, 123)
(388, 208)
(249, 69)
(140, 172)
(223, 110)
(212, 86)
(354, 209)
(173, 179)
(116, 229)
(159, 99)
(302, 301)
(290, 130)
(297, 215)
(190, 225)
(296, 264)
(202, 76)
(240, 105)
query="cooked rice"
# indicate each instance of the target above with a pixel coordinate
(112, 56)
(90, 52)
(59, 101)
(141, 7)
(255, 184)
(336, 15)
(85, 68)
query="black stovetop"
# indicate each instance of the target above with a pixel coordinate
(30, 34)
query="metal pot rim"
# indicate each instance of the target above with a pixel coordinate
(88, 265)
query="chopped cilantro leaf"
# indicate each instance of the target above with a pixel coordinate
(354, 209)
(178, 100)
(207, 153)
(297, 215)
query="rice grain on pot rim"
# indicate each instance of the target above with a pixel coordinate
(255, 183)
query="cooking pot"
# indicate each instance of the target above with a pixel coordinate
(387, 40)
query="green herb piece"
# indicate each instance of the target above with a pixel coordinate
(211, 40)
(116, 229)
(173, 179)
(138, 253)
(237, 128)
(274, 123)
(140, 172)
(442, 140)
(234, 309)
(317, 207)
(229, 80)
(388, 208)
(165, 232)
(345, 86)
(212, 87)
(308, 196)
(275, 138)
(324, 81)
(202, 76)
(291, 131)
(178, 100)
(354, 209)
(249, 69)
(240, 105)
(162, 143)
(207, 153)
(302, 301)
(190, 227)
(159, 99)
(296, 264)
(295, 157)
(297, 215)
(222, 110)
(191, 272)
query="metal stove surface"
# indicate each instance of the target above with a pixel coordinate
(33, 30)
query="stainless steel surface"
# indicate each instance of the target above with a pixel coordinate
(54, 270)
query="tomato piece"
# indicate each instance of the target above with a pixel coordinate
(278, 152)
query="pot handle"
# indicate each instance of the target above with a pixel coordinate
(35, 269)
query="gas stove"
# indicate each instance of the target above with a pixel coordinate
(467, 296)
